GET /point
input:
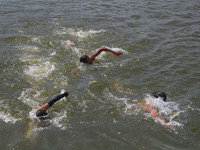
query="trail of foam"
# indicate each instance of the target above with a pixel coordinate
(78, 33)
(120, 50)
(29, 48)
(27, 96)
(167, 110)
(59, 119)
(40, 71)
(37, 66)
(8, 118)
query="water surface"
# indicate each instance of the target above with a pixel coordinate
(160, 42)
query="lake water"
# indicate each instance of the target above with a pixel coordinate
(160, 41)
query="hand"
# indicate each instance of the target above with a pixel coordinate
(118, 53)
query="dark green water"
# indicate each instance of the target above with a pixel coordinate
(161, 45)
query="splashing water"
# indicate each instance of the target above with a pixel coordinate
(168, 110)
(8, 118)
(79, 33)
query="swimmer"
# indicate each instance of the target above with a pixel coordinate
(152, 111)
(146, 107)
(41, 112)
(89, 59)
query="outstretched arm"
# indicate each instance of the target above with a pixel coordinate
(154, 114)
(104, 49)
(51, 102)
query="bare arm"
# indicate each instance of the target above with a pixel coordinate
(44, 107)
(154, 114)
(104, 49)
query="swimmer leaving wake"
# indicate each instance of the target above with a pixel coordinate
(148, 108)
(41, 112)
(89, 59)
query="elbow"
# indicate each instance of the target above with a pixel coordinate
(103, 49)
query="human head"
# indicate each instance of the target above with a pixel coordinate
(161, 95)
(85, 59)
(42, 115)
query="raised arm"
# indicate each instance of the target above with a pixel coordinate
(92, 57)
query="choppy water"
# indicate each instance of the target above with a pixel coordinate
(161, 45)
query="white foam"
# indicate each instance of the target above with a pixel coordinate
(62, 80)
(40, 70)
(131, 108)
(120, 50)
(169, 110)
(32, 114)
(36, 39)
(53, 54)
(8, 118)
(29, 48)
(59, 119)
(166, 108)
(28, 98)
(30, 59)
(29, 53)
(78, 33)
(84, 34)
(76, 50)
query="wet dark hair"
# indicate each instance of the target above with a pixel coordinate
(84, 58)
(160, 94)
